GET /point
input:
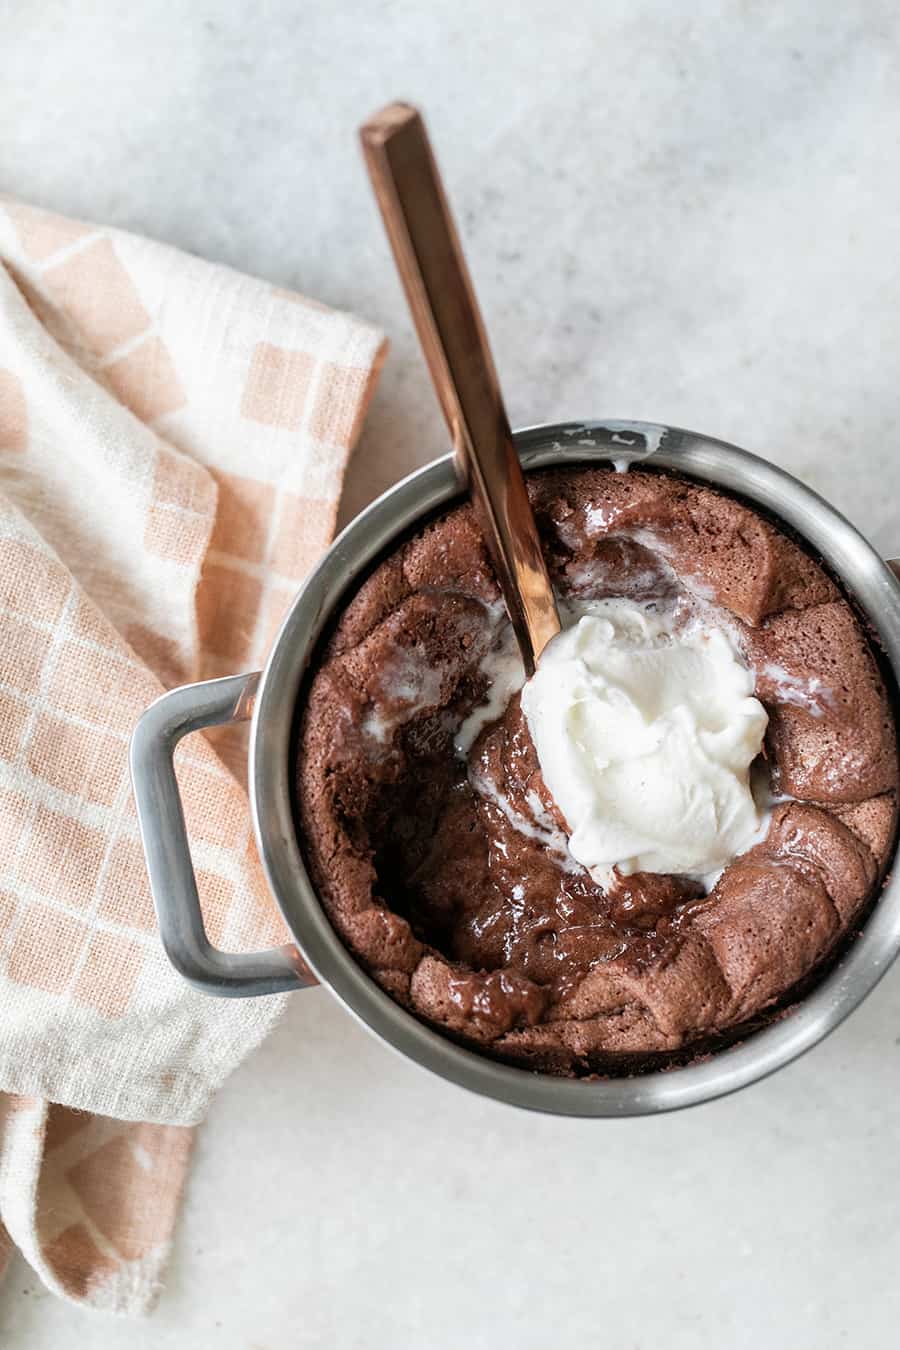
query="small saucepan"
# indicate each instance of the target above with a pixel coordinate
(270, 698)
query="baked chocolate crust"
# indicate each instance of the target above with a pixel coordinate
(449, 881)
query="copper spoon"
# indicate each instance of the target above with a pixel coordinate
(439, 290)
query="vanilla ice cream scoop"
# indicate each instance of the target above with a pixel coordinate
(645, 732)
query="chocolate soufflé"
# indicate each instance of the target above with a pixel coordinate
(447, 875)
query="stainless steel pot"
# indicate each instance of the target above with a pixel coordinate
(269, 699)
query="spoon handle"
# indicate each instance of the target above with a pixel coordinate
(439, 290)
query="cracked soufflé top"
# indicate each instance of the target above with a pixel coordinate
(441, 859)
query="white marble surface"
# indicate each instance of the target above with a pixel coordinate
(680, 213)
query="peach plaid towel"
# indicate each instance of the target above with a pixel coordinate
(172, 442)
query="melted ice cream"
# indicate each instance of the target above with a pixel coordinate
(645, 736)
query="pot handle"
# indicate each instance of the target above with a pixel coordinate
(163, 832)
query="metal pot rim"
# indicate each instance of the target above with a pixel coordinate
(865, 577)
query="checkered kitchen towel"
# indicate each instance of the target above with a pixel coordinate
(172, 442)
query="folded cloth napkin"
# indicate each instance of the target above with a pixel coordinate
(172, 442)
